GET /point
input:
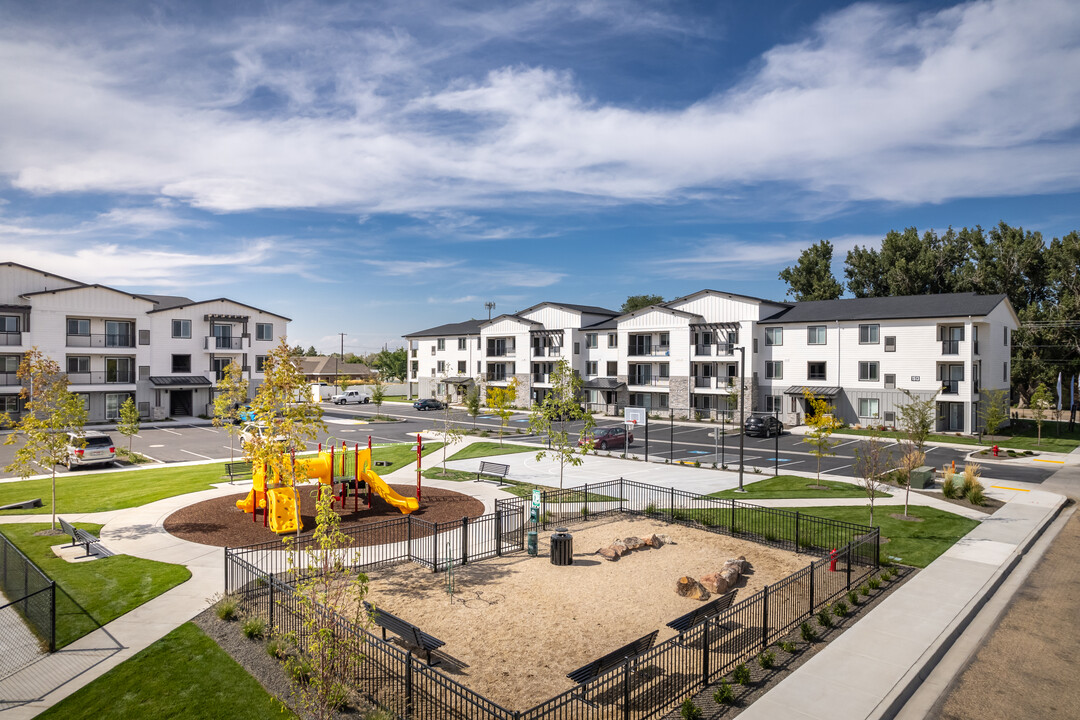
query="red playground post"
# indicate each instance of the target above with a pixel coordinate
(419, 448)
(371, 459)
(356, 478)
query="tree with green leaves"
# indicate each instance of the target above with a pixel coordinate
(297, 351)
(501, 401)
(231, 393)
(50, 411)
(448, 431)
(561, 406)
(378, 394)
(637, 302)
(472, 402)
(811, 278)
(311, 351)
(1041, 402)
(129, 423)
(993, 409)
(872, 461)
(916, 422)
(391, 364)
(908, 264)
(822, 423)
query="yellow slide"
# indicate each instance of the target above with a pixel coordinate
(376, 483)
(283, 517)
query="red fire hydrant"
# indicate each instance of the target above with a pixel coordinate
(832, 560)
(995, 451)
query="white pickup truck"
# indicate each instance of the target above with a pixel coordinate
(352, 395)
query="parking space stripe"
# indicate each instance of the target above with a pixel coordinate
(204, 457)
(169, 431)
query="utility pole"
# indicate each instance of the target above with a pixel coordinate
(337, 362)
(490, 306)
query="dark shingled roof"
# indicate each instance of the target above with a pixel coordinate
(469, 327)
(167, 301)
(591, 309)
(179, 380)
(889, 308)
(611, 323)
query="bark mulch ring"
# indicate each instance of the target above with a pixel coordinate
(762, 680)
(219, 522)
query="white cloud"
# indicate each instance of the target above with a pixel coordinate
(736, 259)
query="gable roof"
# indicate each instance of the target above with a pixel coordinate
(191, 303)
(469, 327)
(164, 302)
(510, 316)
(723, 293)
(660, 308)
(891, 308)
(324, 364)
(41, 272)
(95, 286)
(588, 309)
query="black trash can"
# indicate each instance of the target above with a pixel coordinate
(562, 547)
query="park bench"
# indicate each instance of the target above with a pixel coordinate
(585, 673)
(238, 470)
(493, 470)
(92, 544)
(408, 632)
(705, 612)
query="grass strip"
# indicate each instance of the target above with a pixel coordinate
(791, 486)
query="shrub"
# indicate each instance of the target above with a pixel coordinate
(584, 511)
(767, 659)
(724, 695)
(338, 696)
(254, 628)
(757, 470)
(741, 674)
(971, 477)
(839, 608)
(875, 583)
(975, 494)
(864, 590)
(689, 711)
(853, 597)
(788, 646)
(697, 463)
(823, 618)
(228, 609)
(299, 669)
(277, 649)
(380, 714)
(650, 509)
(807, 632)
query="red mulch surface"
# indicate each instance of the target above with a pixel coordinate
(218, 522)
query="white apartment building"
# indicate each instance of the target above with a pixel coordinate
(684, 356)
(165, 351)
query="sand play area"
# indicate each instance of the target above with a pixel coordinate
(516, 625)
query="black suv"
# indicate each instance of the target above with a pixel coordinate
(428, 404)
(763, 426)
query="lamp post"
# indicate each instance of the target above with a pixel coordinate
(742, 412)
(337, 362)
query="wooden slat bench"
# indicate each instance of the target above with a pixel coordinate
(585, 673)
(492, 470)
(92, 544)
(408, 632)
(238, 470)
(699, 615)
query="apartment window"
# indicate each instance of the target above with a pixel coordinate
(774, 403)
(10, 323)
(119, 370)
(260, 363)
(479, 344)
(590, 340)
(415, 366)
(78, 364)
(774, 370)
(612, 368)
(461, 367)
(441, 366)
(665, 339)
(440, 344)
(661, 401)
(774, 336)
(868, 407)
(1005, 335)
(794, 404)
(664, 369)
(591, 367)
(9, 404)
(9, 364)
(890, 417)
(182, 364)
(612, 340)
(815, 371)
(478, 369)
(181, 329)
(868, 334)
(144, 337)
(113, 402)
(890, 343)
(890, 381)
(577, 348)
(755, 344)
(462, 343)
(76, 326)
(868, 371)
(264, 331)
(1005, 372)
(815, 335)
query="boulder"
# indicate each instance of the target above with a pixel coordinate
(731, 575)
(620, 547)
(734, 567)
(633, 543)
(652, 541)
(608, 554)
(688, 587)
(740, 561)
(715, 583)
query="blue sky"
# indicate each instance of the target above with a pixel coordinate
(376, 168)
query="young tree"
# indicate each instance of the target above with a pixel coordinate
(378, 394)
(472, 403)
(449, 432)
(872, 461)
(636, 302)
(324, 580)
(994, 410)
(812, 277)
(822, 423)
(232, 393)
(501, 400)
(343, 382)
(1041, 402)
(916, 422)
(49, 413)
(562, 405)
(129, 422)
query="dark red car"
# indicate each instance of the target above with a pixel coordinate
(609, 437)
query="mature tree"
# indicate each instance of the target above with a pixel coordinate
(49, 413)
(872, 461)
(811, 278)
(993, 409)
(297, 351)
(311, 351)
(822, 423)
(908, 264)
(501, 401)
(636, 302)
(1041, 402)
(129, 422)
(562, 405)
(392, 364)
(378, 394)
(472, 402)
(1012, 261)
(324, 580)
(916, 422)
(231, 394)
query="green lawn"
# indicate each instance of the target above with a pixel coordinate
(400, 455)
(513, 487)
(93, 593)
(183, 675)
(791, 486)
(487, 449)
(1022, 435)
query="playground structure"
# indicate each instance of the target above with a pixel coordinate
(279, 500)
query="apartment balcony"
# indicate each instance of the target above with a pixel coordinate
(102, 340)
(500, 352)
(652, 351)
(704, 382)
(649, 381)
(704, 350)
(223, 344)
(950, 387)
(547, 352)
(10, 339)
(950, 347)
(102, 378)
(493, 376)
(541, 378)
(9, 379)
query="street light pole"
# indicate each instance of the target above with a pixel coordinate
(742, 412)
(337, 362)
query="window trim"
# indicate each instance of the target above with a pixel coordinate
(868, 401)
(172, 362)
(181, 336)
(260, 363)
(877, 333)
(258, 332)
(869, 365)
(890, 347)
(772, 332)
(592, 340)
(825, 340)
(810, 375)
(771, 367)
(462, 343)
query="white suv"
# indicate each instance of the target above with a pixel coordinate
(91, 448)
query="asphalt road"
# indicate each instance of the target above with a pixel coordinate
(183, 442)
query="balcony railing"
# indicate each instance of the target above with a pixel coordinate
(703, 382)
(648, 380)
(124, 377)
(950, 387)
(653, 351)
(224, 343)
(553, 351)
(703, 349)
(950, 347)
(9, 379)
(10, 338)
(541, 378)
(102, 340)
(495, 377)
(500, 352)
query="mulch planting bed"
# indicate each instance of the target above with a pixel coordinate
(220, 523)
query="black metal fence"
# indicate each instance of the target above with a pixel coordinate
(642, 688)
(30, 603)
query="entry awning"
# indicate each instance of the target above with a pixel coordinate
(180, 381)
(819, 391)
(603, 384)
(462, 380)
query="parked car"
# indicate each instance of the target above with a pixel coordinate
(250, 431)
(763, 426)
(352, 395)
(428, 404)
(91, 448)
(609, 437)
